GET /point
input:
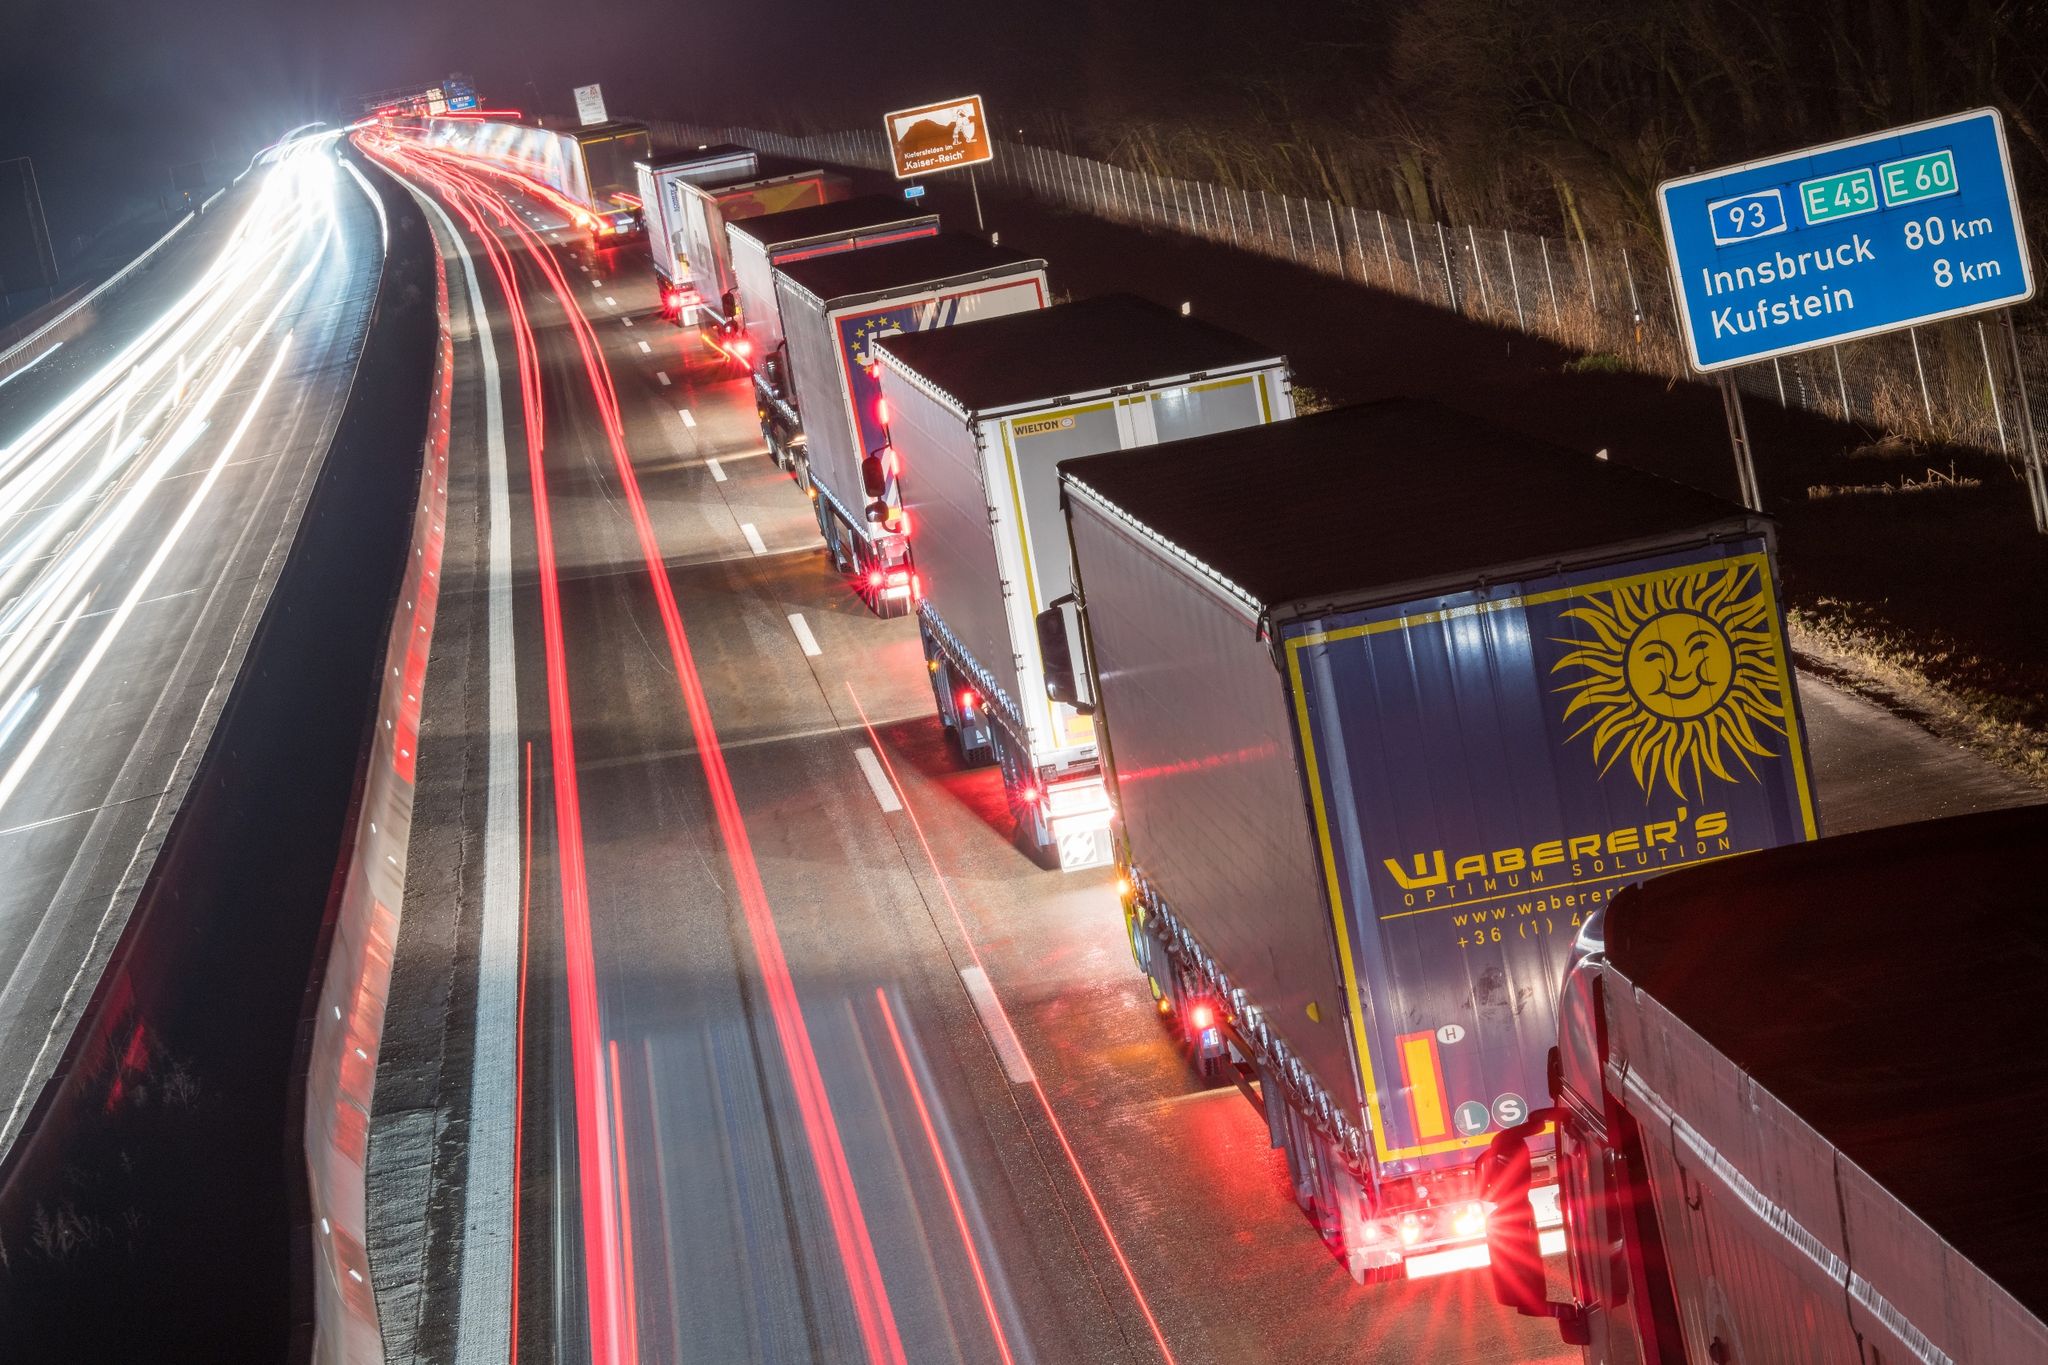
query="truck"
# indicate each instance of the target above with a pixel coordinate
(658, 180)
(1796, 1100)
(587, 173)
(773, 186)
(977, 420)
(749, 325)
(818, 393)
(1390, 700)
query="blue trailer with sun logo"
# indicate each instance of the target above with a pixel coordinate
(1390, 700)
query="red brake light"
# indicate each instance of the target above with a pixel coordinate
(968, 699)
(874, 578)
(1031, 793)
(1203, 1016)
(882, 411)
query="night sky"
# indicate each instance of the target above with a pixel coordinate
(107, 94)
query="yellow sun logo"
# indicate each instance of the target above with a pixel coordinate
(1679, 676)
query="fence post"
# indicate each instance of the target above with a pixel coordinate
(1550, 280)
(1386, 248)
(1287, 215)
(1592, 295)
(1444, 249)
(1414, 256)
(1779, 371)
(1991, 382)
(1635, 306)
(1926, 403)
(1230, 213)
(1358, 240)
(1514, 279)
(1841, 384)
(1479, 269)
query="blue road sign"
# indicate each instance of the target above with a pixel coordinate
(1848, 240)
(913, 191)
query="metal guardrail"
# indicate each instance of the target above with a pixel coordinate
(1947, 382)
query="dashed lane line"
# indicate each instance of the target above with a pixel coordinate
(885, 796)
(802, 630)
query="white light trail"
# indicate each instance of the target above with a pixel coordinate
(85, 488)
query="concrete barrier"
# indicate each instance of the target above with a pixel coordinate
(347, 1024)
(170, 1139)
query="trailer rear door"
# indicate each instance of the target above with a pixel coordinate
(1487, 767)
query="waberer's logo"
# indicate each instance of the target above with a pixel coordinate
(1679, 675)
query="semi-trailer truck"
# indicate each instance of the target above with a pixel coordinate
(587, 172)
(1796, 1099)
(774, 186)
(659, 179)
(818, 395)
(976, 422)
(1390, 700)
(748, 324)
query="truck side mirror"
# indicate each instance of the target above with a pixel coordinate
(1514, 1250)
(729, 304)
(874, 480)
(1056, 651)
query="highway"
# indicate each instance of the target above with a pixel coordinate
(779, 1048)
(152, 476)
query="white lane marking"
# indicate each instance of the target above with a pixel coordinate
(871, 768)
(753, 536)
(688, 420)
(802, 628)
(1009, 1051)
(717, 471)
(662, 375)
(627, 321)
(610, 302)
(645, 348)
(485, 1308)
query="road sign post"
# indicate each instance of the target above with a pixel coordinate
(948, 136)
(1852, 239)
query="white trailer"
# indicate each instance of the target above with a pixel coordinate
(757, 246)
(979, 419)
(709, 206)
(661, 200)
(818, 397)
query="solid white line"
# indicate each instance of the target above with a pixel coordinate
(662, 375)
(649, 350)
(1009, 1051)
(871, 767)
(717, 471)
(688, 420)
(484, 1321)
(753, 538)
(803, 634)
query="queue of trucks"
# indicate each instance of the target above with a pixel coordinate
(1456, 788)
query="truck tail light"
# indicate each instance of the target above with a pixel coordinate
(1411, 1229)
(874, 578)
(916, 588)
(882, 411)
(968, 699)
(1469, 1221)
(1202, 1016)
(1030, 793)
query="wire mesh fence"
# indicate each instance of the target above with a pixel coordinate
(1950, 381)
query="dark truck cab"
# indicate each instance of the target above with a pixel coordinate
(1797, 1103)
